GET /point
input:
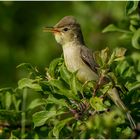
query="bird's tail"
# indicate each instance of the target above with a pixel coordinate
(113, 93)
(132, 123)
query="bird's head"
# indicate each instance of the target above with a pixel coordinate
(66, 30)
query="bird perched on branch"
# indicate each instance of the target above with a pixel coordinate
(79, 58)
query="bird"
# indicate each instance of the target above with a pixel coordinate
(79, 58)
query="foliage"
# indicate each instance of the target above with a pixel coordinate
(62, 107)
(67, 108)
(134, 29)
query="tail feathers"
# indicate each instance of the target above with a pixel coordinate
(114, 95)
(132, 123)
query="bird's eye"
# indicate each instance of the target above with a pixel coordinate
(65, 29)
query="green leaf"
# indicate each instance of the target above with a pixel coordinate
(138, 77)
(61, 89)
(127, 132)
(131, 6)
(136, 39)
(106, 87)
(122, 67)
(112, 28)
(73, 83)
(125, 36)
(8, 99)
(58, 127)
(138, 67)
(65, 74)
(132, 28)
(40, 118)
(134, 22)
(28, 66)
(105, 55)
(111, 59)
(6, 89)
(129, 72)
(53, 100)
(16, 103)
(30, 83)
(36, 103)
(97, 104)
(97, 56)
(32, 71)
(53, 66)
(119, 54)
(133, 86)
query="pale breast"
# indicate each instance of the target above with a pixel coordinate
(72, 58)
(74, 63)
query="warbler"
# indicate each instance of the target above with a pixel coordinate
(78, 57)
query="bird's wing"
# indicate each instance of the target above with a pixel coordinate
(87, 57)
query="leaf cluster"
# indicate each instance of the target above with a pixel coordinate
(133, 31)
(57, 105)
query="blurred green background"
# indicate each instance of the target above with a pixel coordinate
(22, 38)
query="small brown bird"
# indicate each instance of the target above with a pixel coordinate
(79, 58)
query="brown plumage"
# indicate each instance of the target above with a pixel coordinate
(79, 58)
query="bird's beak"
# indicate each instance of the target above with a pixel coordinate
(51, 29)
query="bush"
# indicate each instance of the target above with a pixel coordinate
(62, 107)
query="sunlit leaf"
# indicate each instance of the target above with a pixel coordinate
(120, 52)
(53, 66)
(52, 100)
(125, 36)
(127, 132)
(8, 99)
(73, 83)
(132, 28)
(112, 28)
(105, 55)
(65, 74)
(138, 66)
(30, 83)
(97, 104)
(36, 103)
(112, 57)
(121, 67)
(62, 89)
(6, 89)
(26, 65)
(129, 72)
(58, 127)
(106, 87)
(40, 118)
(134, 22)
(133, 86)
(97, 56)
(138, 77)
(16, 103)
(136, 39)
(131, 7)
